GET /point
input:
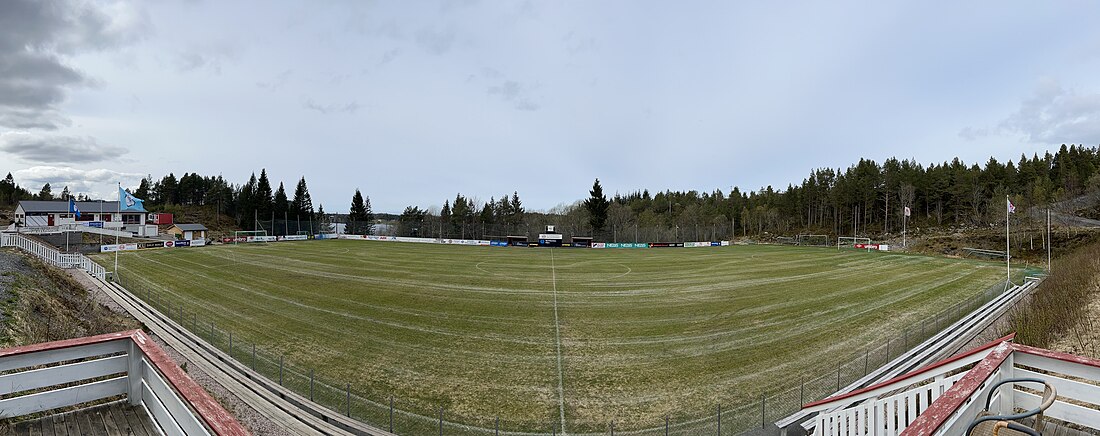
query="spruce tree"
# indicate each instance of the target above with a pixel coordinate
(597, 205)
(357, 216)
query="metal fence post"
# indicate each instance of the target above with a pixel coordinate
(719, 419)
(230, 343)
(253, 356)
(311, 384)
(866, 355)
(802, 392)
(496, 427)
(612, 428)
(347, 401)
(440, 421)
(391, 413)
(763, 410)
(666, 425)
(280, 370)
(211, 331)
(838, 376)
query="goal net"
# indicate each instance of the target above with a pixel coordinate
(786, 240)
(813, 240)
(850, 241)
(250, 236)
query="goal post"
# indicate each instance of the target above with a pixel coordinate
(850, 241)
(813, 240)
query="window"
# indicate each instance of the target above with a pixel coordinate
(131, 218)
(86, 217)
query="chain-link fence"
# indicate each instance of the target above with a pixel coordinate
(389, 411)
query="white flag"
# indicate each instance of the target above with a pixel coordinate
(1011, 207)
(906, 210)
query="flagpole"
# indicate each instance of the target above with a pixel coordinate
(1008, 256)
(116, 231)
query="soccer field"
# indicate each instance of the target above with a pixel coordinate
(535, 335)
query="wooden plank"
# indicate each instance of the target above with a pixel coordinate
(53, 352)
(56, 375)
(180, 415)
(58, 425)
(139, 424)
(71, 426)
(109, 420)
(54, 399)
(99, 426)
(159, 411)
(1059, 410)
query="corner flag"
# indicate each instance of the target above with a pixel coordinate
(72, 208)
(129, 202)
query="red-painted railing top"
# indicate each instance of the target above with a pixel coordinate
(914, 373)
(940, 410)
(213, 414)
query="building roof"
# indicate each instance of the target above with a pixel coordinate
(190, 227)
(63, 206)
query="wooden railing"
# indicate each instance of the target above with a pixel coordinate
(51, 255)
(55, 375)
(945, 401)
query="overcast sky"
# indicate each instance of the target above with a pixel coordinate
(414, 101)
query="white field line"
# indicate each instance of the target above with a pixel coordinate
(557, 338)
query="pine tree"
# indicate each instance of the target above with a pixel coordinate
(262, 198)
(65, 194)
(597, 205)
(368, 217)
(280, 205)
(444, 219)
(46, 193)
(246, 204)
(302, 203)
(357, 216)
(143, 188)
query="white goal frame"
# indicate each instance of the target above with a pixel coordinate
(802, 240)
(853, 240)
(236, 234)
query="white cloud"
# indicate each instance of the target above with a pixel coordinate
(50, 148)
(97, 182)
(1054, 115)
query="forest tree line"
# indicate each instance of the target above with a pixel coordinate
(866, 199)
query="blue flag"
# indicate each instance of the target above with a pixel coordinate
(72, 208)
(129, 202)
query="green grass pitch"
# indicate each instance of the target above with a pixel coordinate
(532, 334)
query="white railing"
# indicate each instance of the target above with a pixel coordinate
(51, 255)
(1076, 379)
(44, 377)
(887, 416)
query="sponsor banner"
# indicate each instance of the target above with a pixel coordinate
(550, 236)
(351, 237)
(725, 243)
(482, 243)
(498, 243)
(198, 242)
(715, 244)
(882, 247)
(626, 245)
(296, 237)
(127, 247)
(599, 245)
(96, 224)
(152, 245)
(169, 244)
(108, 248)
(665, 244)
(696, 244)
(183, 243)
(261, 239)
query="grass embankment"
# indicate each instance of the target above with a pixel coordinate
(1060, 308)
(44, 304)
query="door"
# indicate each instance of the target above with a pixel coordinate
(50, 220)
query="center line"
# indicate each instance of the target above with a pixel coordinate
(557, 338)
